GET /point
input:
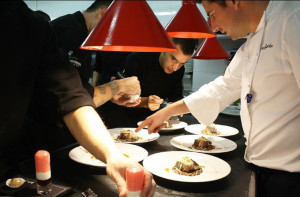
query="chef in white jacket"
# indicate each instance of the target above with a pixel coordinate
(265, 75)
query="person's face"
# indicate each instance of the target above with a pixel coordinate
(229, 20)
(173, 61)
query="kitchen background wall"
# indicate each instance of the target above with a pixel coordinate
(198, 72)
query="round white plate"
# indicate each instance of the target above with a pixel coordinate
(185, 142)
(223, 129)
(161, 165)
(143, 135)
(177, 126)
(81, 155)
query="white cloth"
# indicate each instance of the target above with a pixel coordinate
(268, 67)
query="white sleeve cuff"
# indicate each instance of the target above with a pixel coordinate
(203, 105)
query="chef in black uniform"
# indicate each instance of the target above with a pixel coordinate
(160, 75)
(71, 31)
(35, 74)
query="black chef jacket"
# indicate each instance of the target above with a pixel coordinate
(108, 63)
(71, 32)
(153, 81)
(33, 75)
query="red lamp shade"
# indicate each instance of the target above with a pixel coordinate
(189, 23)
(210, 49)
(129, 26)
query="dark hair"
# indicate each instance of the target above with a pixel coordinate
(220, 2)
(187, 45)
(43, 14)
(98, 4)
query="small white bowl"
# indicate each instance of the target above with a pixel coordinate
(133, 98)
(11, 186)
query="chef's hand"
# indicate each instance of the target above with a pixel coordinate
(123, 100)
(129, 86)
(116, 170)
(155, 121)
(154, 102)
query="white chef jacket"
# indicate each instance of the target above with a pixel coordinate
(268, 67)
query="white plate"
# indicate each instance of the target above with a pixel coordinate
(143, 135)
(223, 129)
(161, 165)
(185, 142)
(177, 126)
(81, 155)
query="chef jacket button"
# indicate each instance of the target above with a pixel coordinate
(249, 98)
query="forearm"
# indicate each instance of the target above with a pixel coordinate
(177, 108)
(88, 129)
(105, 92)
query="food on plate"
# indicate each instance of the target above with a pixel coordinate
(167, 124)
(127, 136)
(210, 130)
(15, 182)
(188, 167)
(203, 143)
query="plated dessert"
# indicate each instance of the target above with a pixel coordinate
(210, 130)
(187, 167)
(167, 124)
(203, 143)
(206, 167)
(170, 125)
(127, 135)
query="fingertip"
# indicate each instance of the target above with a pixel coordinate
(149, 185)
(139, 127)
(121, 185)
(123, 193)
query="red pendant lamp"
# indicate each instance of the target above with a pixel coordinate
(189, 23)
(129, 26)
(211, 49)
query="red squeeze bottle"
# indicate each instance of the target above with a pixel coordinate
(134, 181)
(43, 172)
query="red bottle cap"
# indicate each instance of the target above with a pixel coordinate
(42, 161)
(135, 178)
